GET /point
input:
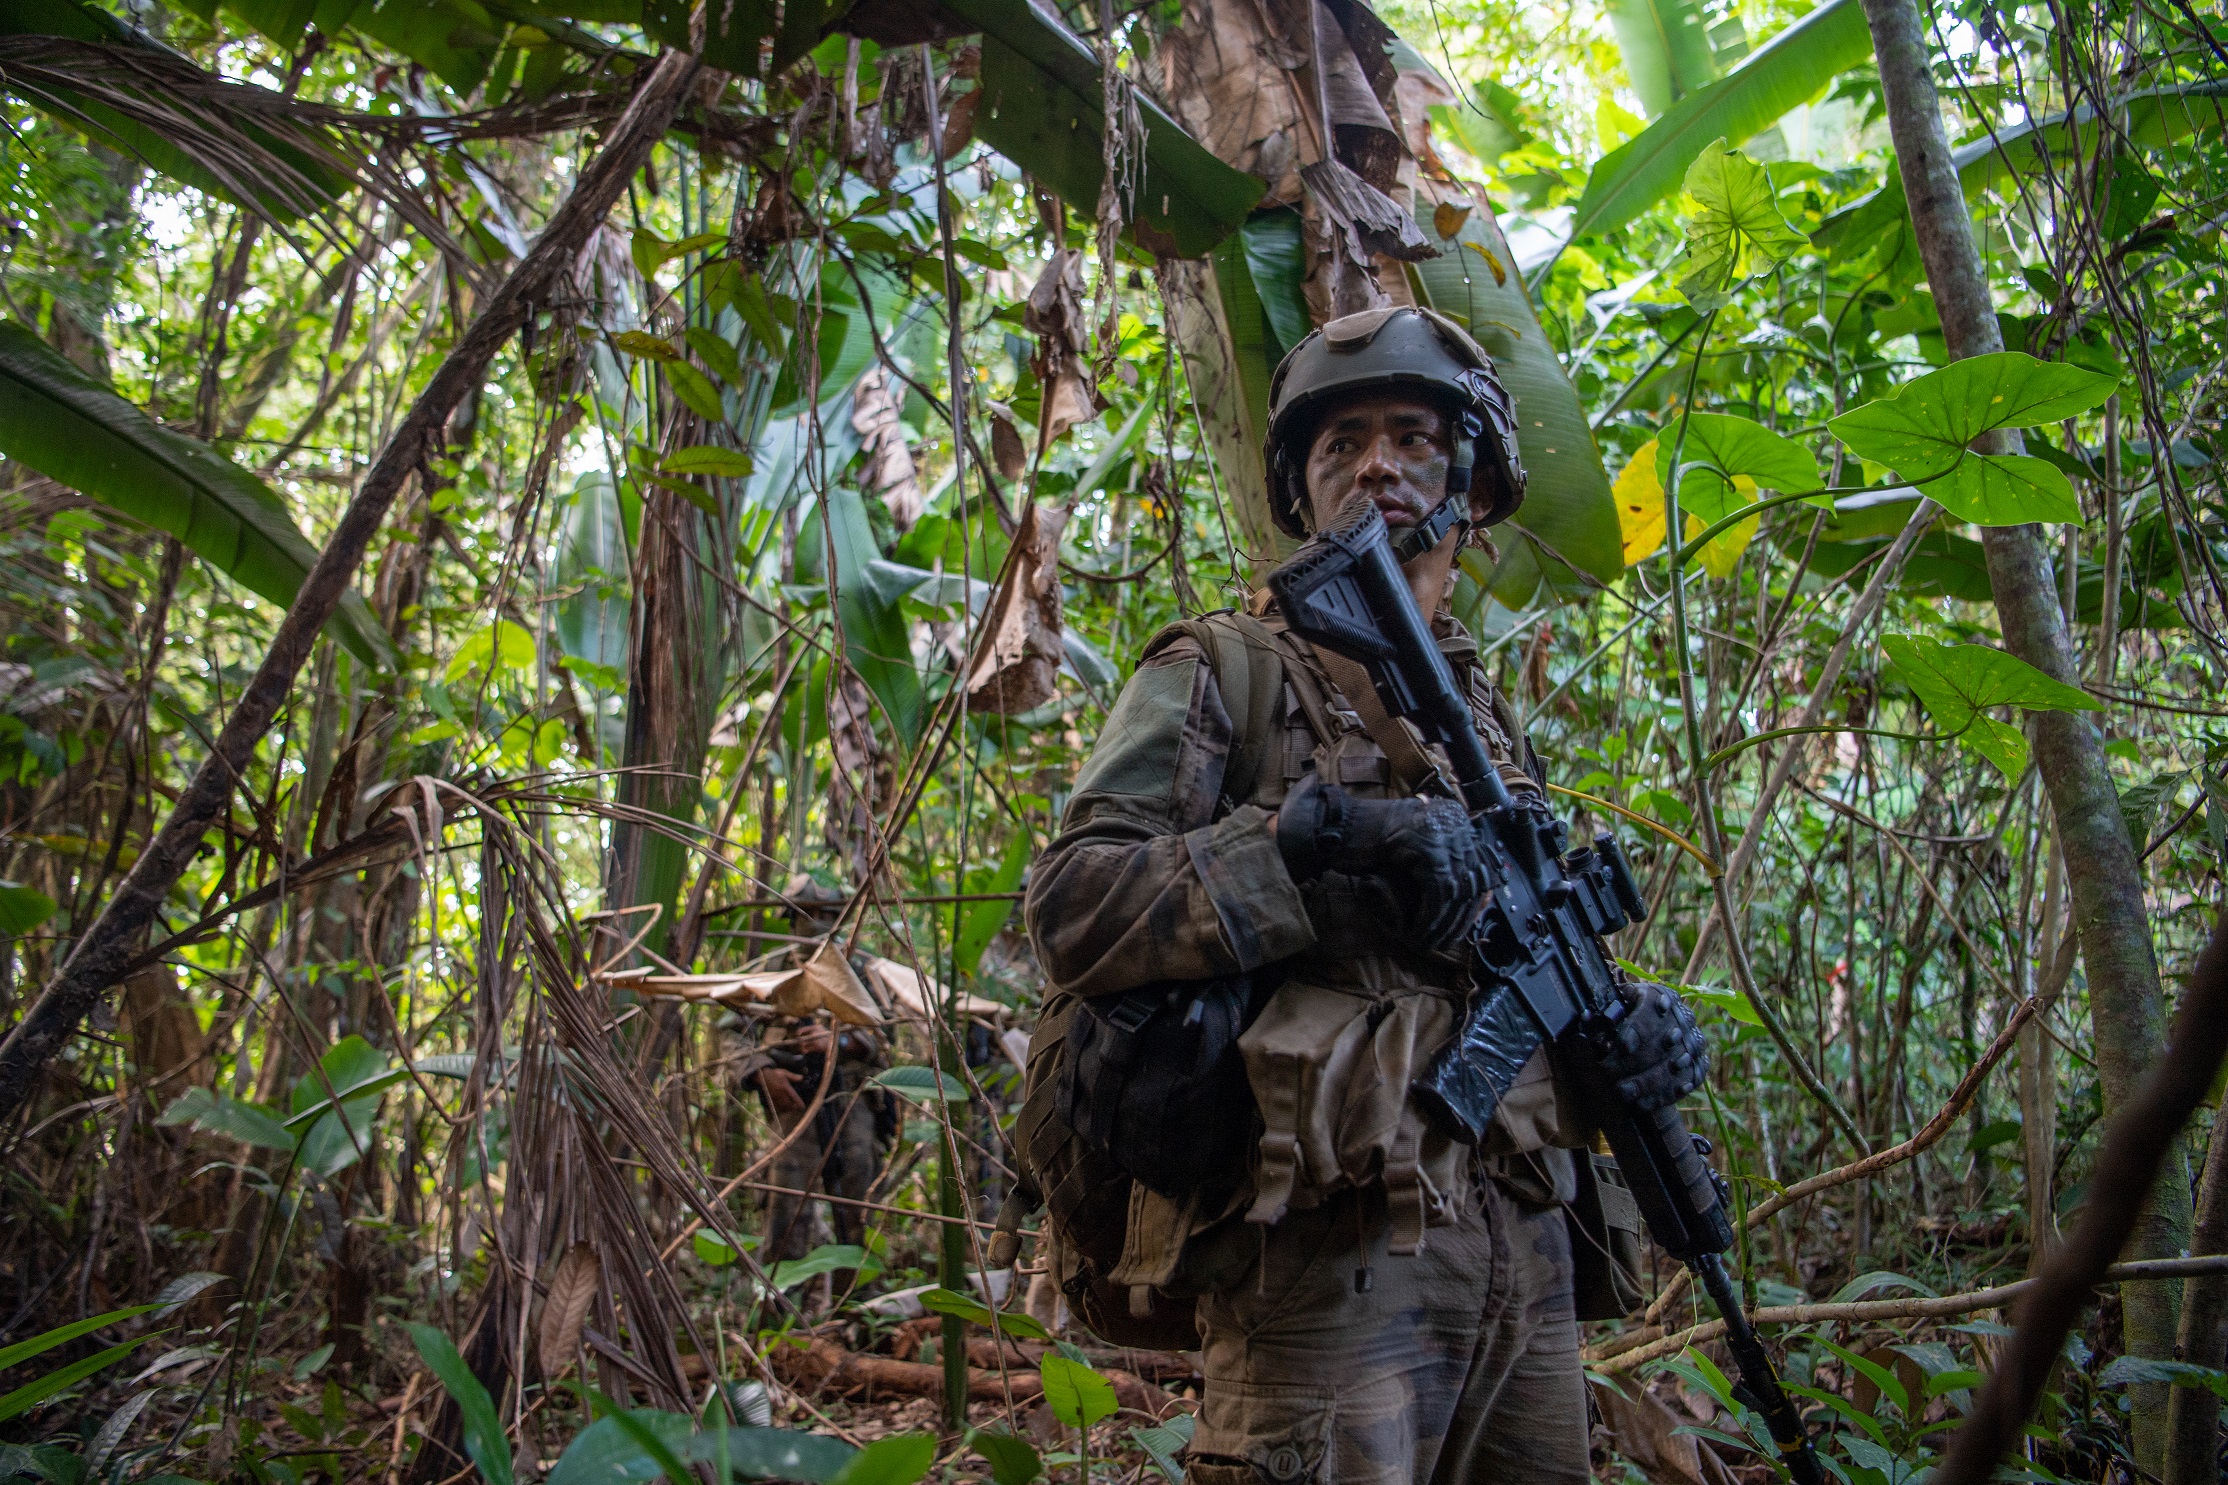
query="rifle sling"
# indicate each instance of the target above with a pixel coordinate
(1410, 764)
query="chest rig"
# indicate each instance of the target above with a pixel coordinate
(1331, 1057)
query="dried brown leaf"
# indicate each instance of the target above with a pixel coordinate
(959, 124)
(573, 1287)
(1019, 654)
(1006, 447)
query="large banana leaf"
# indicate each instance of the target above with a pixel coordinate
(1229, 361)
(1783, 73)
(1666, 46)
(1040, 109)
(77, 432)
(876, 638)
(1569, 519)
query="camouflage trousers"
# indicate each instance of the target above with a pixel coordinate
(1457, 1365)
(836, 1155)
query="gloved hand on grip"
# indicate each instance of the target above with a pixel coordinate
(1414, 865)
(1656, 1054)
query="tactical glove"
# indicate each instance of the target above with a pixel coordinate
(1655, 1054)
(1411, 867)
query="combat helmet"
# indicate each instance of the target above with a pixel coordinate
(1400, 349)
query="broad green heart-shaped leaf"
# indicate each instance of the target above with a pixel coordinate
(1922, 430)
(1734, 230)
(1720, 446)
(1780, 75)
(2006, 490)
(2000, 743)
(347, 1086)
(1078, 1395)
(70, 428)
(1013, 1461)
(1957, 683)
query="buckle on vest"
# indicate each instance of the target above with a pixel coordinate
(1129, 1013)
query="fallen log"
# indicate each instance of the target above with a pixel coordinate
(825, 1366)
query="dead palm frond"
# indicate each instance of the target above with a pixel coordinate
(286, 160)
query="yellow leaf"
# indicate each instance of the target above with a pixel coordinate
(1613, 124)
(1724, 549)
(1723, 553)
(1639, 505)
(1500, 274)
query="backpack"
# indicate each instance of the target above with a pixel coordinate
(1112, 1099)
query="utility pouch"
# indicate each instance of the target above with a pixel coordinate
(1154, 1082)
(1605, 1240)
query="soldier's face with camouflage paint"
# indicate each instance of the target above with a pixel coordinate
(1393, 447)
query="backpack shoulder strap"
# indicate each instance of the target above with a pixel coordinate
(1249, 670)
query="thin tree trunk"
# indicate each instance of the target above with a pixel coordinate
(2193, 1413)
(2038, 1079)
(2103, 874)
(108, 945)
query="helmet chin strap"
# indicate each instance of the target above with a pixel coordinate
(1437, 522)
(1455, 508)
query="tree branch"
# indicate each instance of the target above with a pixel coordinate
(107, 947)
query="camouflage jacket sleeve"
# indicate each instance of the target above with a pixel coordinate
(1144, 882)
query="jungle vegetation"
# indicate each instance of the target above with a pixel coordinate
(504, 498)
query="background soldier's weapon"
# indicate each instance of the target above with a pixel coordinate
(1546, 977)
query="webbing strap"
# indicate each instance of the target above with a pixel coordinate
(1410, 764)
(1241, 642)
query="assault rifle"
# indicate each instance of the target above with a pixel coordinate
(1545, 976)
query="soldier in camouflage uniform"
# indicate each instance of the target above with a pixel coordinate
(1380, 1304)
(841, 1153)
